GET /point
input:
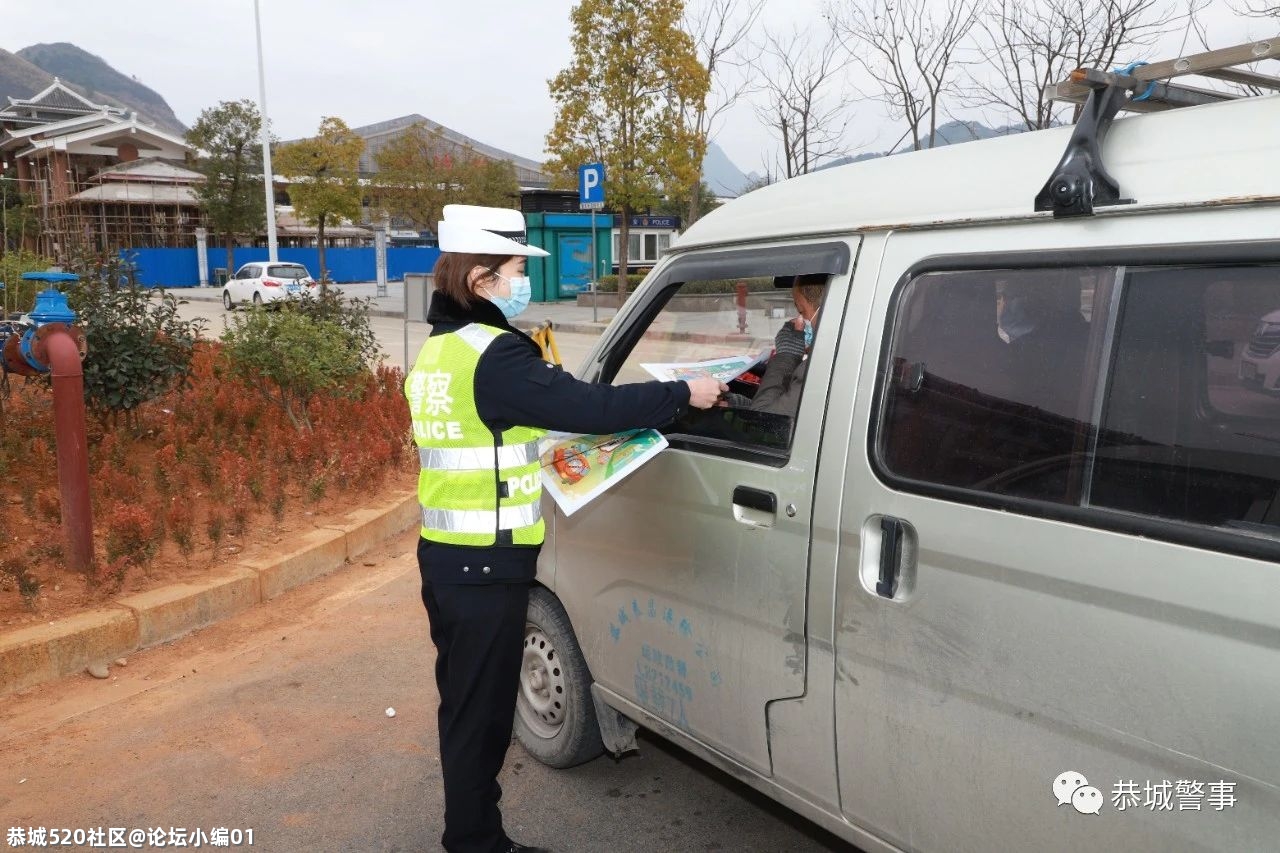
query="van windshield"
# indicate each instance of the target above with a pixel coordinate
(287, 271)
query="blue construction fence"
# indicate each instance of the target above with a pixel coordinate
(180, 268)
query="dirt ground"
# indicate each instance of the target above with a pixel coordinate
(63, 592)
(275, 720)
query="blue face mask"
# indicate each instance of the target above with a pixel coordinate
(808, 331)
(521, 293)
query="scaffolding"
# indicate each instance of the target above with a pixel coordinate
(116, 215)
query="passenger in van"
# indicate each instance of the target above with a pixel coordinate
(1047, 336)
(779, 391)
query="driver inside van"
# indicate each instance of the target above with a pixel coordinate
(779, 391)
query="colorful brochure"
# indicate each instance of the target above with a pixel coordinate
(726, 368)
(577, 469)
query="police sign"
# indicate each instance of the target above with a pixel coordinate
(591, 186)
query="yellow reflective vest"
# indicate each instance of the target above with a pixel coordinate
(472, 490)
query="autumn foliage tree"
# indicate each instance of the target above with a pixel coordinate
(324, 177)
(634, 76)
(420, 171)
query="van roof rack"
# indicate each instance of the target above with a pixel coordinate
(1081, 182)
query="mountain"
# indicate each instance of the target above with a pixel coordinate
(19, 78)
(951, 133)
(721, 175)
(97, 81)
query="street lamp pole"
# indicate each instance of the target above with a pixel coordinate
(266, 145)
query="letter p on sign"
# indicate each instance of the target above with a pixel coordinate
(591, 186)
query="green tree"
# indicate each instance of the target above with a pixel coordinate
(324, 178)
(622, 101)
(228, 139)
(419, 172)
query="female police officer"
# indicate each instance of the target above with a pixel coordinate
(481, 396)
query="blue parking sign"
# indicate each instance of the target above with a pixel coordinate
(591, 186)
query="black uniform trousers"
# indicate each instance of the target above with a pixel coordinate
(478, 631)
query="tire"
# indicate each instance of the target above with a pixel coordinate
(555, 716)
(227, 304)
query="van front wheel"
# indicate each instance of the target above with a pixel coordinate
(555, 717)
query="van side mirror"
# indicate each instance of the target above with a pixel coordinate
(1220, 349)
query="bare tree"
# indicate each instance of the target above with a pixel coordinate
(803, 104)
(910, 49)
(721, 31)
(1027, 45)
(1258, 8)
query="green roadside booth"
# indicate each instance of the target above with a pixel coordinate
(566, 271)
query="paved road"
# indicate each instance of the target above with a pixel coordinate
(275, 721)
(390, 332)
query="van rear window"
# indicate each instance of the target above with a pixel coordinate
(1147, 390)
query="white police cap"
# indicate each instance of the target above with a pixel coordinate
(484, 231)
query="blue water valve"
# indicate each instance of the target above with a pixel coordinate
(51, 307)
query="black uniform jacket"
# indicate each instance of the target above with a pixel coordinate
(514, 386)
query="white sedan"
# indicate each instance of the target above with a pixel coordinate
(262, 282)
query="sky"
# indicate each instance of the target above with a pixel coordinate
(478, 66)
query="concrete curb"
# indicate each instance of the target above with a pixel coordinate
(41, 653)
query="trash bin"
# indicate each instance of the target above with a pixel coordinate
(220, 276)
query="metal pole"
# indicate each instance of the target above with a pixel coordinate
(380, 259)
(202, 255)
(594, 288)
(267, 176)
(406, 324)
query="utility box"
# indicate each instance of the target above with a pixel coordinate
(566, 272)
(418, 287)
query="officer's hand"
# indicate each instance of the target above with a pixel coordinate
(703, 393)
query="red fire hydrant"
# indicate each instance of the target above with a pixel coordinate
(53, 344)
(741, 295)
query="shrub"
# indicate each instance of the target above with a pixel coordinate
(181, 523)
(289, 357)
(139, 347)
(216, 528)
(350, 315)
(20, 573)
(131, 534)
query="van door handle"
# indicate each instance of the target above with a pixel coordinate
(754, 507)
(891, 535)
(756, 499)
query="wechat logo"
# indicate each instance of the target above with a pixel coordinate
(1072, 788)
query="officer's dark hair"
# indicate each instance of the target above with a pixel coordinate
(454, 268)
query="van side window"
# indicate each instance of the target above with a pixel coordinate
(1191, 425)
(1152, 391)
(708, 319)
(988, 389)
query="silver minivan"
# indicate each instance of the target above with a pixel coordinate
(1006, 578)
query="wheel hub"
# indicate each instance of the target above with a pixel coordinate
(542, 685)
